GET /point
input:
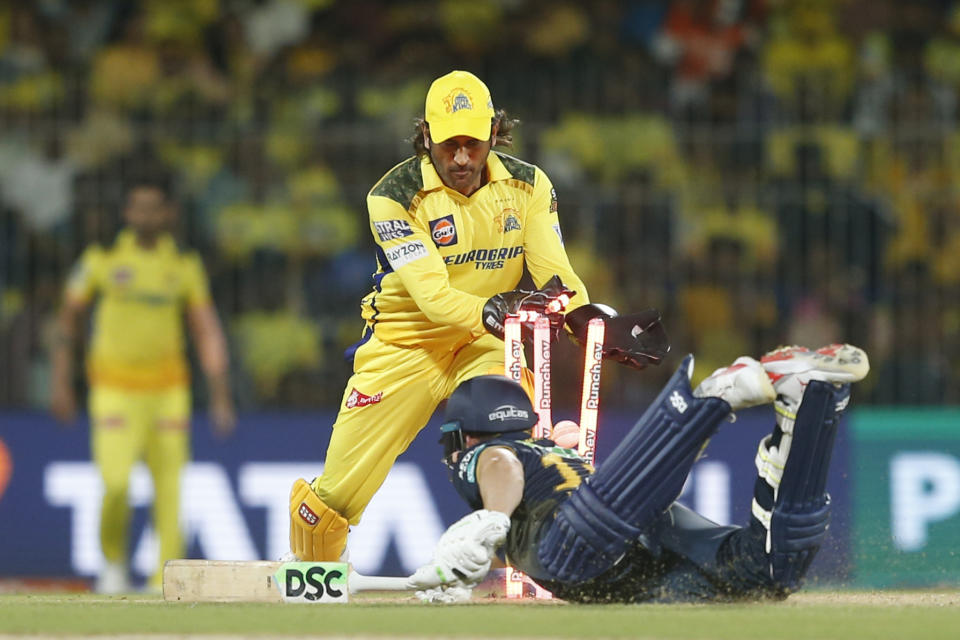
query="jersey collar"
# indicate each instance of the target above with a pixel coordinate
(127, 240)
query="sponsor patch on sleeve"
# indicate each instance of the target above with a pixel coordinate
(444, 231)
(405, 253)
(553, 200)
(392, 229)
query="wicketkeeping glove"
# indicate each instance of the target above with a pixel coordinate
(549, 300)
(637, 340)
(463, 554)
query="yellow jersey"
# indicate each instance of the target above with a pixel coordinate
(137, 340)
(441, 255)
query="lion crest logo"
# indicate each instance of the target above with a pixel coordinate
(457, 100)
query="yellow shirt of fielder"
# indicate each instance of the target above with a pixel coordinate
(441, 255)
(138, 338)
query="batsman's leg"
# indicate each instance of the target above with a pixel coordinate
(643, 475)
(791, 507)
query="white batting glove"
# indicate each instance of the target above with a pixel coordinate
(445, 595)
(464, 552)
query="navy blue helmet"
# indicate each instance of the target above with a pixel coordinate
(485, 405)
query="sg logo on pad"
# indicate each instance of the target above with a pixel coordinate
(443, 231)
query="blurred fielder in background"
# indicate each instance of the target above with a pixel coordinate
(616, 534)
(137, 370)
(454, 226)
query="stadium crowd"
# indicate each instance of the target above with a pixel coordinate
(761, 171)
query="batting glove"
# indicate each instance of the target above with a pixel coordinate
(464, 552)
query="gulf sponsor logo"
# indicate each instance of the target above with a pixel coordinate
(443, 231)
(392, 229)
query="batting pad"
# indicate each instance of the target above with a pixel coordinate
(291, 582)
(634, 485)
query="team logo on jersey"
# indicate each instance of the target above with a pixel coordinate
(457, 100)
(357, 399)
(392, 229)
(508, 221)
(122, 275)
(443, 231)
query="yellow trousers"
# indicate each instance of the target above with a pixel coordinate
(128, 426)
(388, 400)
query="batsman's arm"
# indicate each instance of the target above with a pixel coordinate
(500, 479)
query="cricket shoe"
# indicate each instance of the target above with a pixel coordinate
(113, 579)
(743, 384)
(792, 368)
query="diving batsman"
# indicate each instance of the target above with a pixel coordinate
(616, 534)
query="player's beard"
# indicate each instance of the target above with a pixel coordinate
(461, 177)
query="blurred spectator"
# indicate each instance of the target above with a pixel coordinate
(701, 39)
(39, 187)
(808, 63)
(29, 77)
(274, 341)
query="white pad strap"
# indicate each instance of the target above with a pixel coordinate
(770, 461)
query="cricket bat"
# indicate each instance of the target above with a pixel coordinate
(292, 582)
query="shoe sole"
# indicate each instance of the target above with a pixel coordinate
(832, 363)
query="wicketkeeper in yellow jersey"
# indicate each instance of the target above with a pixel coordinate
(137, 371)
(454, 227)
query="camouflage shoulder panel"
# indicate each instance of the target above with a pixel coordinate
(402, 183)
(523, 171)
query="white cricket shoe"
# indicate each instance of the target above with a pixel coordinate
(791, 368)
(113, 579)
(743, 384)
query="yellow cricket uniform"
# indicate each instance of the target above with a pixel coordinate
(441, 255)
(139, 377)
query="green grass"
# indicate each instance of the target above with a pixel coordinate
(822, 616)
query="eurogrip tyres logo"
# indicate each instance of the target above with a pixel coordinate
(443, 231)
(312, 582)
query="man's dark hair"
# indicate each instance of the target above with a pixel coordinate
(504, 134)
(155, 179)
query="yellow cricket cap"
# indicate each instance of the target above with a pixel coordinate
(459, 104)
